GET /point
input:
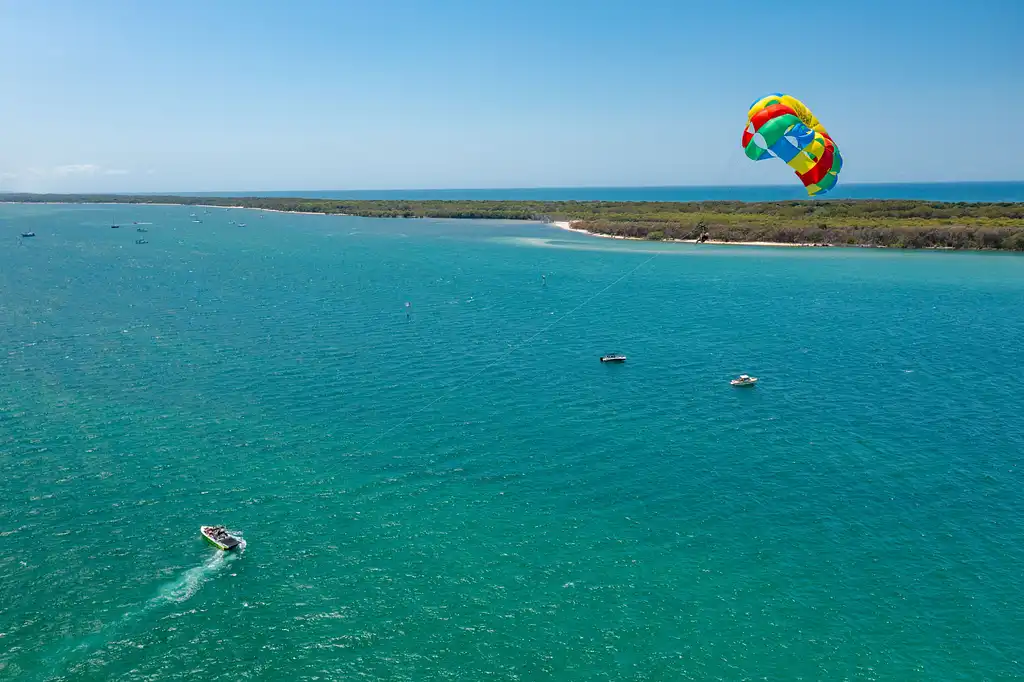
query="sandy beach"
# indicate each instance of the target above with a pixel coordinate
(568, 225)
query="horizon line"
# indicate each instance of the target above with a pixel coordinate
(509, 189)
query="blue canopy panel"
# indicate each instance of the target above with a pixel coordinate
(790, 144)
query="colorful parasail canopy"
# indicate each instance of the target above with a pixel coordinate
(780, 126)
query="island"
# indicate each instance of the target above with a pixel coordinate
(829, 222)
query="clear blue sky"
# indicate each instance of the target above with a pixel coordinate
(339, 94)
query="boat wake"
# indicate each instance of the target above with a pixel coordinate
(181, 589)
(193, 579)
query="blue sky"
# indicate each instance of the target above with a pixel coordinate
(335, 94)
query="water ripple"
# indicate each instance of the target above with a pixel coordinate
(442, 492)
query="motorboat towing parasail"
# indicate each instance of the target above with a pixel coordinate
(219, 537)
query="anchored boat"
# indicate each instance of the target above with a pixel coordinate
(219, 537)
(744, 380)
(613, 358)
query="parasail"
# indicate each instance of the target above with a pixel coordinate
(781, 126)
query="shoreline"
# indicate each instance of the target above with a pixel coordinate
(997, 227)
(161, 203)
(567, 225)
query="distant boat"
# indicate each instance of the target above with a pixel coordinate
(613, 358)
(141, 229)
(196, 220)
(744, 380)
(114, 227)
(141, 241)
(219, 537)
(28, 234)
(241, 224)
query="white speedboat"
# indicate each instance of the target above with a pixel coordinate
(219, 537)
(744, 380)
(613, 358)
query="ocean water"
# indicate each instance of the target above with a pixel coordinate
(459, 490)
(938, 191)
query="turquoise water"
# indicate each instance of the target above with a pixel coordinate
(465, 492)
(926, 191)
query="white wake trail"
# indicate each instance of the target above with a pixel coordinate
(181, 589)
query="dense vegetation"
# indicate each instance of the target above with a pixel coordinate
(901, 224)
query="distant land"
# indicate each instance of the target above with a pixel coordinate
(911, 224)
(924, 191)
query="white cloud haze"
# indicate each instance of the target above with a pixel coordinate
(76, 169)
(65, 177)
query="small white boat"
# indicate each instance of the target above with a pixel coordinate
(744, 380)
(613, 358)
(219, 537)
